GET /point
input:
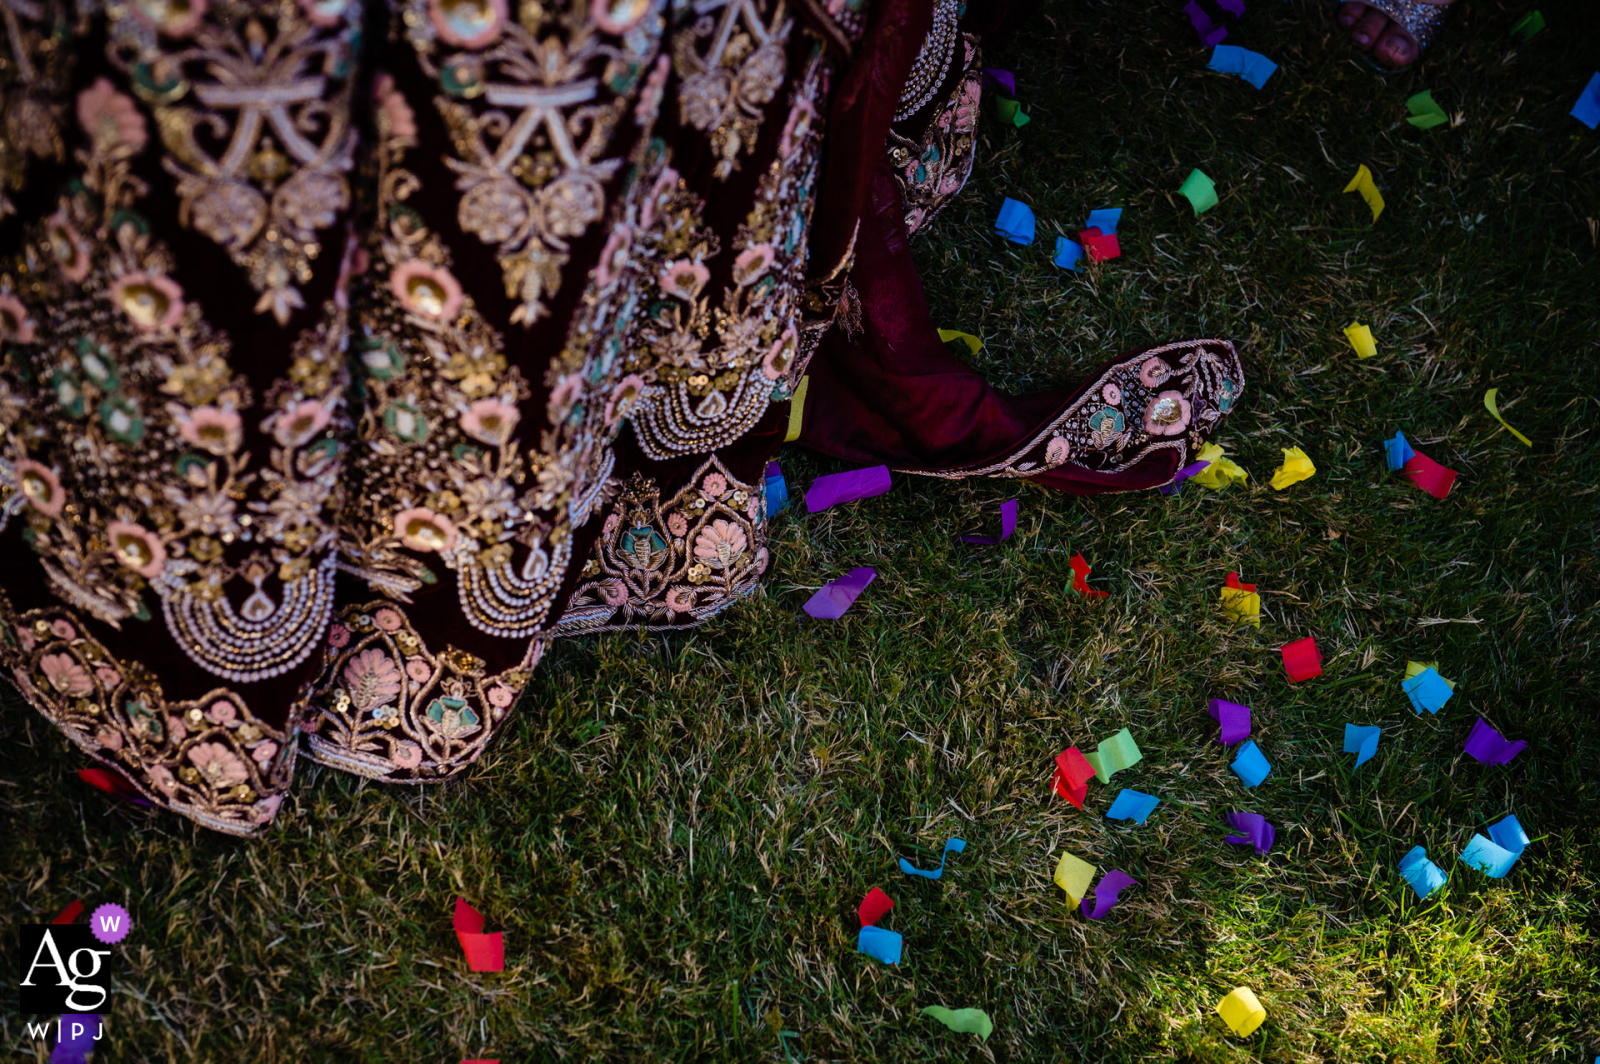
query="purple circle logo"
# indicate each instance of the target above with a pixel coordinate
(110, 923)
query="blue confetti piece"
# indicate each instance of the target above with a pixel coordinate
(1509, 835)
(1251, 765)
(876, 942)
(1251, 66)
(1587, 109)
(1105, 219)
(1015, 222)
(1427, 691)
(954, 844)
(1397, 452)
(1067, 253)
(1423, 875)
(777, 491)
(1132, 805)
(1492, 860)
(1361, 741)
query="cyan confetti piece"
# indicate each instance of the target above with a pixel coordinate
(1251, 66)
(954, 844)
(1361, 741)
(1105, 219)
(1509, 835)
(1068, 254)
(1423, 875)
(1487, 857)
(1015, 222)
(1250, 765)
(880, 943)
(1427, 691)
(1132, 805)
(777, 490)
(1397, 452)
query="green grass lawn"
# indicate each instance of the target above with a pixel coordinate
(674, 833)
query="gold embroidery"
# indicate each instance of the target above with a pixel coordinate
(726, 89)
(934, 168)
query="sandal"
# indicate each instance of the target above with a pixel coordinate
(1407, 27)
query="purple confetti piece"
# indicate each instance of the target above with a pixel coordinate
(1489, 746)
(1234, 718)
(1210, 33)
(1002, 79)
(1105, 895)
(836, 596)
(1235, 7)
(1008, 525)
(76, 1037)
(1253, 831)
(1182, 475)
(835, 488)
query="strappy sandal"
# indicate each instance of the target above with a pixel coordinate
(1421, 21)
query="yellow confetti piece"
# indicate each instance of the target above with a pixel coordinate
(973, 343)
(1241, 1011)
(1242, 606)
(1360, 338)
(1417, 668)
(1221, 472)
(1362, 183)
(1074, 877)
(1493, 406)
(1296, 467)
(797, 409)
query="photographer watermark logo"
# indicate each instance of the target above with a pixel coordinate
(62, 968)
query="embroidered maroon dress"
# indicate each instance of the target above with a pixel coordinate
(348, 353)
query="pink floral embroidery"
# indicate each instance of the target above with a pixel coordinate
(649, 104)
(665, 183)
(1111, 394)
(623, 397)
(677, 524)
(393, 107)
(761, 561)
(418, 669)
(407, 755)
(613, 592)
(63, 629)
(263, 751)
(611, 523)
(212, 429)
(222, 712)
(176, 729)
(266, 809)
(137, 548)
(715, 485)
(161, 779)
(1153, 372)
(423, 530)
(108, 677)
(65, 674)
(490, 421)
(40, 487)
(797, 128)
(752, 263)
(563, 396)
(387, 620)
(426, 290)
(151, 301)
(614, 256)
(781, 356)
(298, 423)
(684, 279)
(108, 737)
(372, 679)
(720, 543)
(25, 637)
(71, 251)
(500, 697)
(1167, 415)
(468, 24)
(111, 119)
(1057, 450)
(15, 325)
(338, 636)
(679, 599)
(220, 766)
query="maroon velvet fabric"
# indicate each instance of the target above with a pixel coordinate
(894, 393)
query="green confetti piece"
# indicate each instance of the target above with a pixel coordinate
(1011, 111)
(963, 1021)
(1114, 755)
(1201, 191)
(1425, 113)
(1528, 25)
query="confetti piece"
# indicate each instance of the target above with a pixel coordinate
(1210, 33)
(1067, 254)
(69, 914)
(879, 943)
(1080, 578)
(1296, 467)
(1254, 830)
(77, 1035)
(777, 490)
(1360, 337)
(1234, 6)
(1099, 246)
(1487, 745)
(1105, 895)
(1180, 476)
(1002, 78)
(114, 784)
(1200, 190)
(963, 1021)
(1362, 183)
(1015, 222)
(1234, 718)
(1491, 404)
(1361, 741)
(873, 907)
(1074, 876)
(974, 345)
(1008, 525)
(1429, 475)
(1105, 219)
(835, 488)
(1251, 66)
(1221, 471)
(1423, 875)
(1526, 26)
(1240, 601)
(1417, 668)
(1587, 109)
(484, 953)
(958, 845)
(836, 596)
(1132, 805)
(1397, 452)
(1250, 765)
(1427, 690)
(1073, 773)
(1492, 860)
(1241, 1011)
(1011, 113)
(1425, 114)
(1301, 659)
(797, 408)
(1114, 755)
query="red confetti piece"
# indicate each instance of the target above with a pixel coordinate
(69, 914)
(1302, 660)
(874, 906)
(485, 953)
(1429, 475)
(1072, 775)
(114, 784)
(1100, 246)
(1233, 582)
(1080, 582)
